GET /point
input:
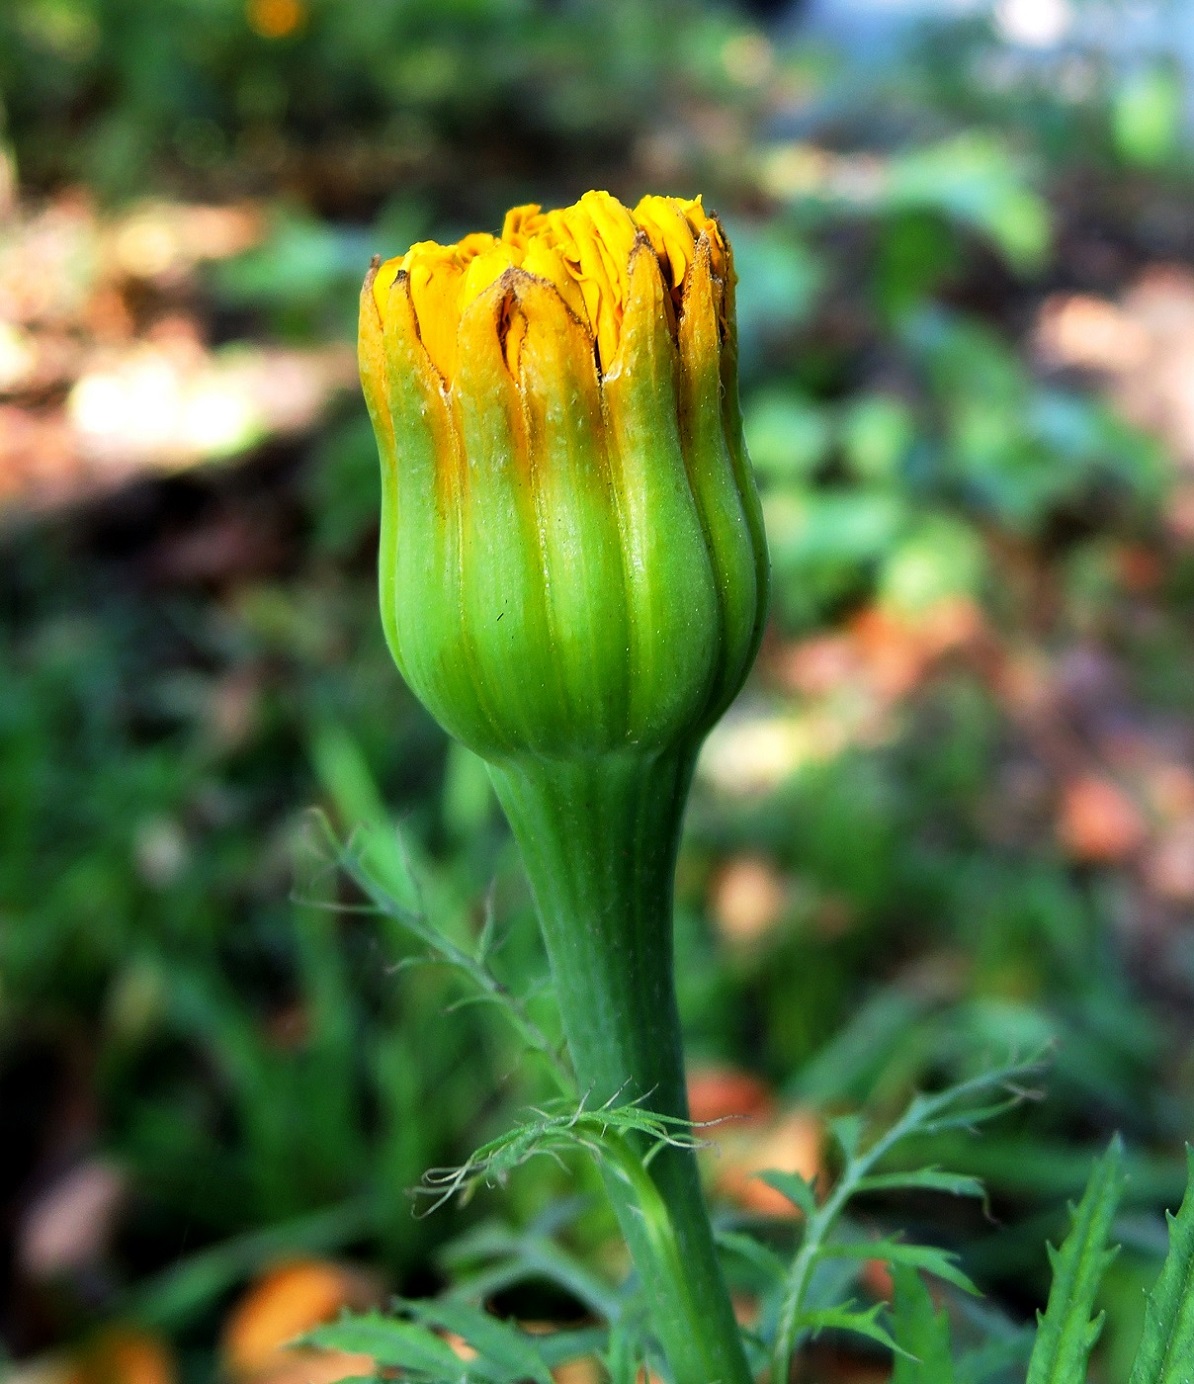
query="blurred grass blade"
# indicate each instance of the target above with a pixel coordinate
(1167, 1346)
(175, 1296)
(393, 1343)
(920, 1331)
(1066, 1334)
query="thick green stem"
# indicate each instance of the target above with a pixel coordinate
(598, 838)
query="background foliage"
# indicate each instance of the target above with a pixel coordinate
(951, 817)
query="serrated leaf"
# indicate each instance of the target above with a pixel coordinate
(1166, 1354)
(558, 1127)
(851, 1319)
(402, 1345)
(969, 1118)
(921, 1331)
(1065, 1333)
(798, 1190)
(924, 1179)
(963, 1105)
(509, 1353)
(939, 1262)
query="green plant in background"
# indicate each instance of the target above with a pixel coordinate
(183, 90)
(155, 742)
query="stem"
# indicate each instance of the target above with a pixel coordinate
(598, 838)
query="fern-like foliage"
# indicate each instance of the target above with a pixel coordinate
(358, 859)
(1066, 1333)
(804, 1293)
(964, 1106)
(557, 1128)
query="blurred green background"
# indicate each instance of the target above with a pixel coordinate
(951, 816)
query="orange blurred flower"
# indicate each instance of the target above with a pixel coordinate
(120, 1355)
(727, 1093)
(793, 1143)
(1099, 822)
(747, 898)
(285, 1302)
(275, 18)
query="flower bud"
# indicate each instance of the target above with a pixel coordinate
(572, 552)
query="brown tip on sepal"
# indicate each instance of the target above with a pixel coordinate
(642, 241)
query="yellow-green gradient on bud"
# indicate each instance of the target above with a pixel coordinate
(572, 556)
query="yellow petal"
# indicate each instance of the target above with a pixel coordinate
(383, 279)
(583, 250)
(663, 221)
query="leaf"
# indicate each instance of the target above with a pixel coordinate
(512, 1353)
(969, 1118)
(558, 1347)
(514, 1256)
(847, 1132)
(623, 1356)
(560, 1126)
(849, 1318)
(769, 1264)
(488, 933)
(1167, 1345)
(389, 1341)
(939, 1262)
(966, 1104)
(1065, 1333)
(924, 1179)
(798, 1190)
(921, 1331)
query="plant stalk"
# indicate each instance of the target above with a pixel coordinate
(598, 838)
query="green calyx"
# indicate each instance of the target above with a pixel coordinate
(570, 563)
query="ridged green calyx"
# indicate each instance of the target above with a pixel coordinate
(573, 580)
(572, 550)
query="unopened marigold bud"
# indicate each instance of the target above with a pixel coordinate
(572, 554)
